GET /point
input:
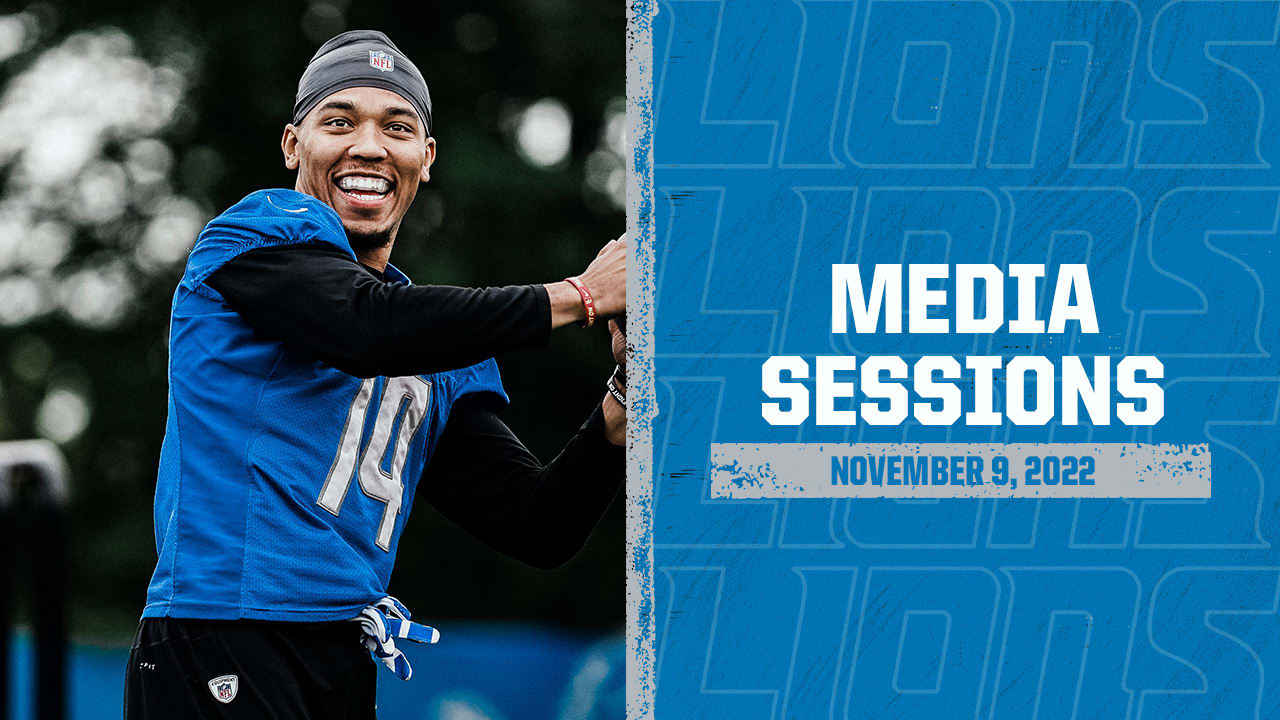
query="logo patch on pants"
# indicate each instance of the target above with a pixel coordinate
(224, 688)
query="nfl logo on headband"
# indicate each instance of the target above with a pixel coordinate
(381, 61)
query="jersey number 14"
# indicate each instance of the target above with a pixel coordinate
(404, 399)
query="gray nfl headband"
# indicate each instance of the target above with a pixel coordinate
(361, 58)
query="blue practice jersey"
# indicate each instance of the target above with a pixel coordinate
(284, 483)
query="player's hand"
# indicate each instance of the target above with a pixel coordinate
(618, 328)
(606, 278)
(615, 412)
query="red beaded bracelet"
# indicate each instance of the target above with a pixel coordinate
(588, 302)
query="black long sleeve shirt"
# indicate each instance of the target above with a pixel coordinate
(320, 300)
(481, 476)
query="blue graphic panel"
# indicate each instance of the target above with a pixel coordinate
(1129, 137)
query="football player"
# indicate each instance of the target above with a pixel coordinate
(313, 391)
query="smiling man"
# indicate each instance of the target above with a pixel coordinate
(314, 392)
(363, 178)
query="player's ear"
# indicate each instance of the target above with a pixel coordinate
(429, 158)
(289, 146)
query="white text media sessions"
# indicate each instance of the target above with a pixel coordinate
(1036, 388)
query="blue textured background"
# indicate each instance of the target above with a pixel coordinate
(789, 135)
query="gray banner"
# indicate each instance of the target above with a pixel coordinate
(959, 470)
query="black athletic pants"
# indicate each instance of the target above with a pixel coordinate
(200, 669)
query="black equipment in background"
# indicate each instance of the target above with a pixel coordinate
(33, 564)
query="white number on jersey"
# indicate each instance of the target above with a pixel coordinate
(407, 396)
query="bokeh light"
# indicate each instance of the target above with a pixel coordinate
(63, 415)
(16, 32)
(544, 132)
(87, 176)
(605, 175)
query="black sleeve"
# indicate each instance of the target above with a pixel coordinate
(326, 304)
(483, 479)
